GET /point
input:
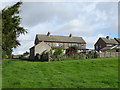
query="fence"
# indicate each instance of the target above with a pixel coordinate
(109, 54)
(48, 57)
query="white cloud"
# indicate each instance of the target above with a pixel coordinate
(89, 20)
(92, 40)
(75, 26)
(26, 42)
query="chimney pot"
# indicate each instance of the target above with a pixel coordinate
(70, 35)
(107, 37)
(48, 34)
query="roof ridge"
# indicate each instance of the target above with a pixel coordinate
(106, 38)
(55, 35)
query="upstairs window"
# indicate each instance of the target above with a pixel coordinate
(96, 46)
(79, 44)
(109, 45)
(57, 44)
(69, 44)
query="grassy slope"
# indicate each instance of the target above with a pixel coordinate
(94, 73)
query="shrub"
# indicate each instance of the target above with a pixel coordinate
(37, 57)
(96, 55)
(82, 55)
(72, 50)
(45, 57)
(58, 54)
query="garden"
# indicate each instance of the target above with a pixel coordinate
(56, 54)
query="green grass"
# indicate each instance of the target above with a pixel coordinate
(87, 73)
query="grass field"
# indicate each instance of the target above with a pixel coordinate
(87, 73)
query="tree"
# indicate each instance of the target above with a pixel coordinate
(0, 34)
(11, 28)
(26, 53)
(58, 53)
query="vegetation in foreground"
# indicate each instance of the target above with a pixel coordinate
(89, 73)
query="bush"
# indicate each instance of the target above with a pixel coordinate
(45, 56)
(58, 54)
(96, 55)
(72, 50)
(82, 55)
(37, 57)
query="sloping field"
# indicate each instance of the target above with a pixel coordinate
(87, 73)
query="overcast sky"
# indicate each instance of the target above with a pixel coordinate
(89, 20)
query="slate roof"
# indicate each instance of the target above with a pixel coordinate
(109, 41)
(63, 39)
(111, 47)
(117, 39)
(106, 48)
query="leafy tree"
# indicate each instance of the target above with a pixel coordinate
(0, 34)
(11, 28)
(58, 53)
(26, 53)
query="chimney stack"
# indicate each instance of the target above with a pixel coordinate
(48, 34)
(107, 37)
(70, 35)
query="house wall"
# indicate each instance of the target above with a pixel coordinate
(39, 48)
(99, 44)
(65, 45)
(36, 41)
(32, 53)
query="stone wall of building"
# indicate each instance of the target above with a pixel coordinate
(65, 45)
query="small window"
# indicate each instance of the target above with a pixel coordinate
(48, 43)
(109, 45)
(69, 44)
(79, 44)
(96, 47)
(57, 44)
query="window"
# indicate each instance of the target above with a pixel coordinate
(79, 44)
(69, 44)
(57, 44)
(96, 47)
(109, 45)
(48, 43)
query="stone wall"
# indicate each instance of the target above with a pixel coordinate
(109, 54)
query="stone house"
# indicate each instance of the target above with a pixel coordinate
(107, 44)
(46, 42)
